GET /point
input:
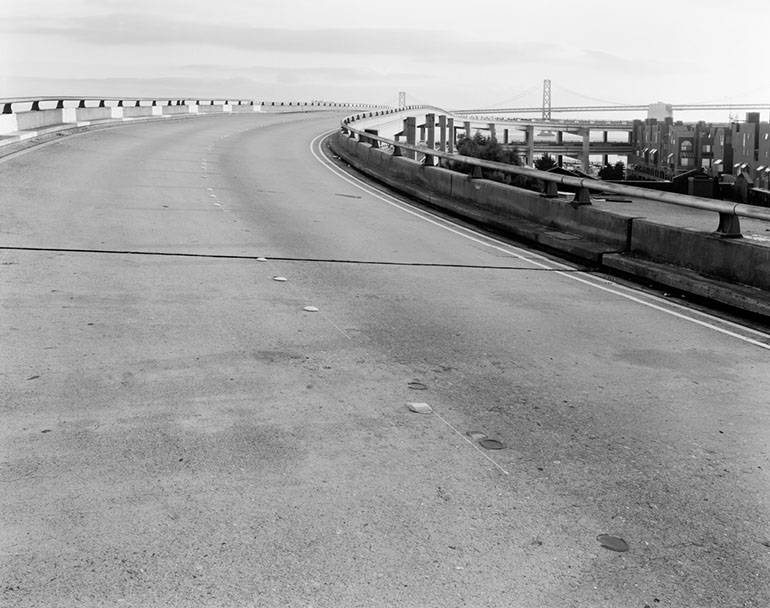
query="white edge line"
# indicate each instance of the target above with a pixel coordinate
(508, 250)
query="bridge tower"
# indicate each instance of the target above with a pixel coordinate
(402, 99)
(546, 100)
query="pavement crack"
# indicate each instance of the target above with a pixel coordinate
(224, 256)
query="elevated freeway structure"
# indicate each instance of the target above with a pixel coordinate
(618, 108)
(211, 331)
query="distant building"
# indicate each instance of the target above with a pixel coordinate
(665, 149)
(751, 150)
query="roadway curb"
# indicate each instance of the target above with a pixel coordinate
(741, 297)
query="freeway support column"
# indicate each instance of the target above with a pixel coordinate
(585, 157)
(410, 130)
(451, 142)
(606, 157)
(467, 125)
(430, 125)
(492, 132)
(442, 133)
(530, 145)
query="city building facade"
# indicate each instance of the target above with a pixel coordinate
(664, 149)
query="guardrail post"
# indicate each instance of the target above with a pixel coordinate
(582, 197)
(410, 130)
(550, 190)
(451, 131)
(430, 142)
(373, 142)
(729, 226)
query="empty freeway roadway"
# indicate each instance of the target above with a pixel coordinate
(176, 429)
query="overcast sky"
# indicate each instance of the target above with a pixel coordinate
(451, 54)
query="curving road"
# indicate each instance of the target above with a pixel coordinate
(176, 430)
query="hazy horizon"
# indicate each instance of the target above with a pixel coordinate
(490, 55)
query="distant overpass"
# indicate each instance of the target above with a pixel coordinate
(618, 108)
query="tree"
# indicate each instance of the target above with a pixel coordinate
(487, 148)
(615, 174)
(545, 162)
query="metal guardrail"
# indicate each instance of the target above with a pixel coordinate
(729, 212)
(85, 101)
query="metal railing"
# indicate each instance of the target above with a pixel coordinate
(33, 104)
(729, 212)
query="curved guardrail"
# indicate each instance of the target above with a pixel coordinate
(32, 104)
(729, 212)
(23, 118)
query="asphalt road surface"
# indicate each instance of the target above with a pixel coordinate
(177, 430)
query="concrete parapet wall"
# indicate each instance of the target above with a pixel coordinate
(481, 198)
(735, 260)
(137, 112)
(175, 110)
(217, 109)
(83, 114)
(29, 121)
(8, 124)
(633, 245)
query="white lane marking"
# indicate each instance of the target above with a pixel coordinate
(303, 296)
(435, 413)
(533, 257)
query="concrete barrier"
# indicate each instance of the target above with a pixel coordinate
(245, 109)
(735, 272)
(90, 114)
(8, 124)
(215, 109)
(735, 260)
(175, 110)
(137, 112)
(488, 201)
(30, 121)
